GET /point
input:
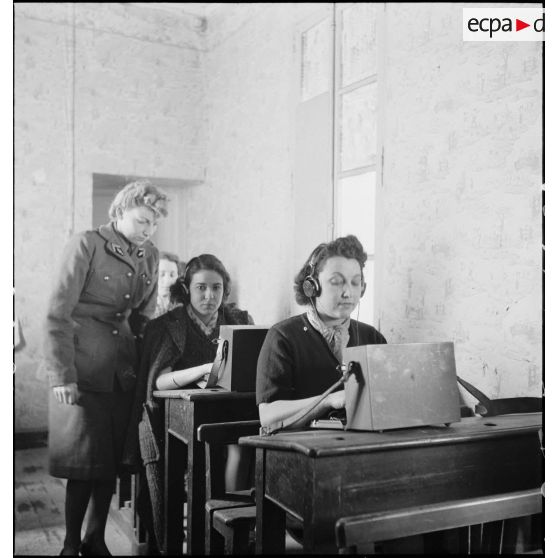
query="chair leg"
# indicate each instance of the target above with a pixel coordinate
(236, 541)
(492, 537)
(475, 534)
(214, 542)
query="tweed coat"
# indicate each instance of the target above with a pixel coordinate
(100, 290)
(163, 345)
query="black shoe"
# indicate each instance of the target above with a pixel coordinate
(67, 552)
(93, 549)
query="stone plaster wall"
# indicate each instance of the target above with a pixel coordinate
(459, 230)
(108, 88)
(248, 195)
(458, 224)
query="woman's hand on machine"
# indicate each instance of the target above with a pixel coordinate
(336, 400)
(66, 394)
(204, 375)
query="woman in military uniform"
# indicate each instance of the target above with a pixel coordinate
(105, 291)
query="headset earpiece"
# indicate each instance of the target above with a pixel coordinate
(185, 276)
(311, 287)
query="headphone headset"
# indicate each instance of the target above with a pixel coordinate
(185, 275)
(311, 285)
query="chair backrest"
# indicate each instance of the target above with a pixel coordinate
(359, 533)
(216, 436)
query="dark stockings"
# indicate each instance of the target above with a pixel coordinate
(77, 499)
(78, 495)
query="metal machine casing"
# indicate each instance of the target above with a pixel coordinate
(401, 385)
(244, 343)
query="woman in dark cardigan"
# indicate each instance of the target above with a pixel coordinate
(300, 357)
(173, 344)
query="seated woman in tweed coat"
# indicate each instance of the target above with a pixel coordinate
(174, 343)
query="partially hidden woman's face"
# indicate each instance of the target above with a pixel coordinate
(168, 273)
(341, 281)
(206, 292)
(137, 224)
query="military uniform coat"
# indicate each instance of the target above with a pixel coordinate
(88, 338)
(104, 287)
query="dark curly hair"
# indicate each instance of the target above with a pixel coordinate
(180, 291)
(346, 246)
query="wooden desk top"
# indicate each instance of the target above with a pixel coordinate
(200, 394)
(324, 443)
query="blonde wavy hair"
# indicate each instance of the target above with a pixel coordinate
(138, 194)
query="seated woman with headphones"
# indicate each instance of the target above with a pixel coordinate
(300, 356)
(203, 292)
(178, 350)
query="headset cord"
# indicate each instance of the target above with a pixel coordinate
(297, 420)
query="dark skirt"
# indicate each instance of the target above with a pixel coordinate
(86, 440)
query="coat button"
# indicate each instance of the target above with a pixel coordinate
(118, 314)
(127, 296)
(148, 281)
(115, 332)
(129, 274)
(106, 278)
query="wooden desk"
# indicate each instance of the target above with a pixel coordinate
(185, 410)
(322, 475)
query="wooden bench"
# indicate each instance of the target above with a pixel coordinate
(359, 534)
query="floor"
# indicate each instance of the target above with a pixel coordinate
(39, 509)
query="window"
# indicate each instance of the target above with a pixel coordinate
(355, 132)
(336, 158)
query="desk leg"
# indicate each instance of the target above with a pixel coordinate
(270, 518)
(319, 540)
(175, 467)
(195, 516)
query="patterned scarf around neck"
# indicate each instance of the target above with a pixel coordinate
(206, 329)
(337, 337)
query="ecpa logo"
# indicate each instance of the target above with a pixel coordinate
(503, 24)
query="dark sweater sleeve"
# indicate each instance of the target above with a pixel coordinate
(377, 338)
(274, 377)
(365, 334)
(234, 316)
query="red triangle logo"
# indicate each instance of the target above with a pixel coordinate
(519, 25)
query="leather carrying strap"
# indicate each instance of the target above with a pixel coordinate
(218, 364)
(493, 407)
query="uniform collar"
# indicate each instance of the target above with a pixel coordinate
(130, 246)
(115, 244)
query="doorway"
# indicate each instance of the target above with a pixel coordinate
(171, 233)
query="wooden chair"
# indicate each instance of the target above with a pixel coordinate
(359, 534)
(123, 510)
(229, 516)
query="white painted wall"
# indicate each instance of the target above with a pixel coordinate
(245, 212)
(108, 88)
(458, 242)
